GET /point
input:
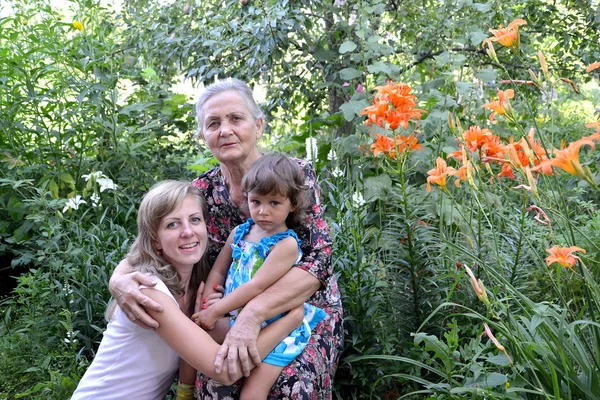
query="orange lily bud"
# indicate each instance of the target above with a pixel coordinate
(544, 65)
(491, 52)
(451, 124)
(532, 183)
(488, 332)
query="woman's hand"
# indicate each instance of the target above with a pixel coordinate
(239, 344)
(125, 288)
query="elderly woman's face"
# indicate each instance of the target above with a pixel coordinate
(229, 129)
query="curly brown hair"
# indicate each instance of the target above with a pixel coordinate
(276, 173)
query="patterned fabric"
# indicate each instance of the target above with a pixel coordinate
(310, 375)
(248, 257)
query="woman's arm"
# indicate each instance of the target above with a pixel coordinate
(279, 261)
(196, 347)
(124, 287)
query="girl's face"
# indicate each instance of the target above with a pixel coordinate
(182, 234)
(270, 211)
(229, 128)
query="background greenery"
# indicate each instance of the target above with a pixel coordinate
(103, 98)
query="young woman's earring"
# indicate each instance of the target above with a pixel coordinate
(159, 252)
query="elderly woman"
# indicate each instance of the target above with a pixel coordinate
(230, 123)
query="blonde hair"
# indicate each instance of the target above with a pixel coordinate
(162, 199)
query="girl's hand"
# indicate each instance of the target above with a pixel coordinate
(126, 291)
(206, 319)
(208, 299)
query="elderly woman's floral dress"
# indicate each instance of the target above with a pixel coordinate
(310, 375)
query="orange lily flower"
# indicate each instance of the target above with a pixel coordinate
(476, 137)
(493, 148)
(487, 331)
(507, 37)
(507, 171)
(458, 154)
(439, 174)
(563, 256)
(502, 105)
(387, 146)
(383, 144)
(592, 66)
(407, 142)
(393, 106)
(568, 159)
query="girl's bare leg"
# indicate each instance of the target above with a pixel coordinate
(258, 384)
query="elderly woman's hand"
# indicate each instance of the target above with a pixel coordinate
(125, 289)
(239, 344)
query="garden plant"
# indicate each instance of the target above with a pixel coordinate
(456, 148)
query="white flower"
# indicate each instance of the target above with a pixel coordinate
(74, 203)
(337, 172)
(358, 200)
(332, 155)
(339, 3)
(352, 19)
(106, 183)
(96, 175)
(95, 197)
(311, 149)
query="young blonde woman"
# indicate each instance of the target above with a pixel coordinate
(132, 362)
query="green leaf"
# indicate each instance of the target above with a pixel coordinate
(499, 359)
(482, 7)
(65, 177)
(379, 67)
(350, 73)
(442, 59)
(487, 75)
(376, 187)
(177, 100)
(347, 47)
(324, 55)
(477, 37)
(353, 108)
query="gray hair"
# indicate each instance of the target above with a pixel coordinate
(224, 85)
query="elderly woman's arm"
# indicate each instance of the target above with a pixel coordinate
(290, 291)
(124, 287)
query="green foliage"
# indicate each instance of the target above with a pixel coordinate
(81, 107)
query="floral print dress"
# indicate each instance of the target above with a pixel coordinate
(310, 375)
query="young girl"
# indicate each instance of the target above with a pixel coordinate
(262, 250)
(132, 362)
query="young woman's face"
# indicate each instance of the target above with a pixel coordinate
(229, 129)
(270, 211)
(182, 235)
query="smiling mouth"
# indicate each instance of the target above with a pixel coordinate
(189, 246)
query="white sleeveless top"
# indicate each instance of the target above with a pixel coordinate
(131, 362)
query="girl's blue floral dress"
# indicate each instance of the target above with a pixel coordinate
(248, 257)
